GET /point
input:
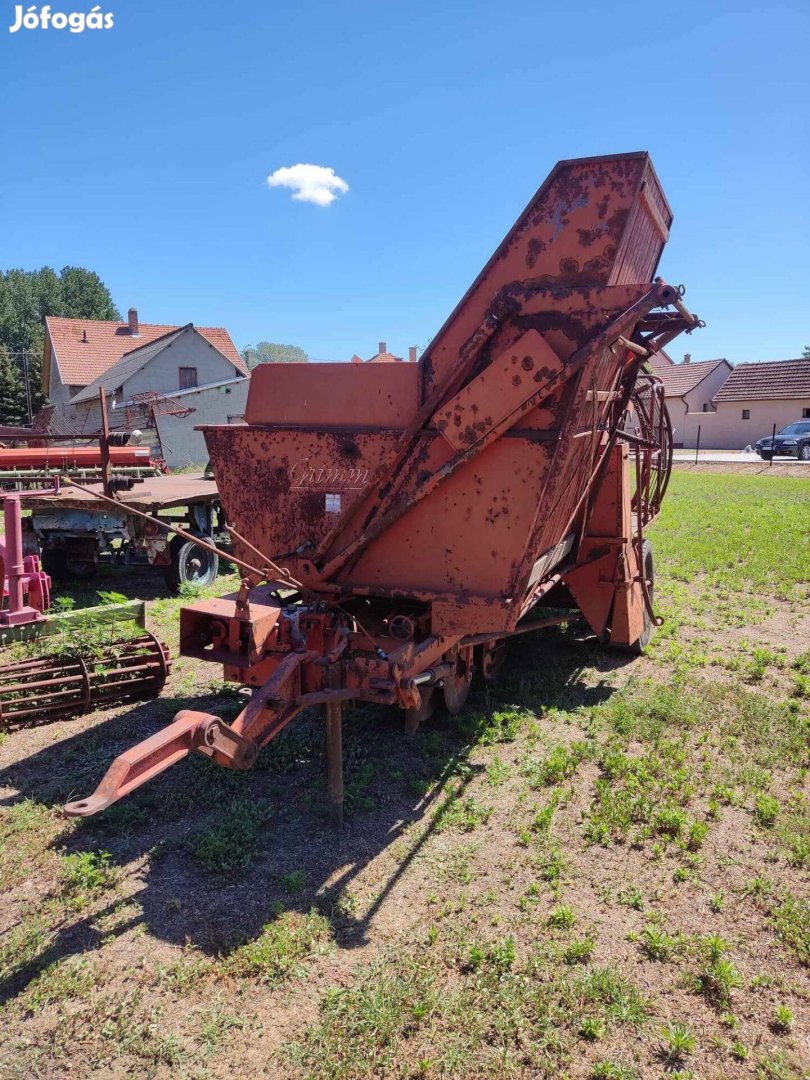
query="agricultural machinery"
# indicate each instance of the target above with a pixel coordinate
(396, 523)
(62, 682)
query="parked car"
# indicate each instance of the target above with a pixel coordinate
(792, 441)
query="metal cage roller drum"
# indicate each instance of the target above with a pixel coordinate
(64, 684)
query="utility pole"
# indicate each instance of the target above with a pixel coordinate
(27, 381)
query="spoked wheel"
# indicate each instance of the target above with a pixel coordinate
(414, 717)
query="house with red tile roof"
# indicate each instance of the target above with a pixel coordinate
(78, 351)
(755, 397)
(689, 389)
(163, 380)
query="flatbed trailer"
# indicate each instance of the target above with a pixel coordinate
(74, 527)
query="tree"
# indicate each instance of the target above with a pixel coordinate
(806, 353)
(27, 296)
(267, 352)
(12, 392)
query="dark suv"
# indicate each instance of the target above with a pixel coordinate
(792, 441)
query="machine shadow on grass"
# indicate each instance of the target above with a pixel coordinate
(227, 851)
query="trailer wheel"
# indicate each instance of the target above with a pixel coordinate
(53, 562)
(77, 567)
(648, 569)
(190, 564)
(63, 564)
(455, 690)
(414, 717)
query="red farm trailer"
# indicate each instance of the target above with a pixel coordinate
(398, 522)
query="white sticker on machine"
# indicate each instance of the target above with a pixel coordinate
(332, 504)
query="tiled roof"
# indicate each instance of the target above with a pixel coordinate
(774, 379)
(127, 366)
(51, 420)
(679, 379)
(80, 362)
(661, 359)
(384, 357)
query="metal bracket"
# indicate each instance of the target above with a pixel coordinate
(214, 737)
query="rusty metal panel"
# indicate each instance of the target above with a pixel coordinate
(569, 235)
(499, 391)
(354, 395)
(468, 537)
(285, 488)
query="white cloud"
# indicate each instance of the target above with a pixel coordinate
(310, 183)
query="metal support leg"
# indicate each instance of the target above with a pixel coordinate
(333, 715)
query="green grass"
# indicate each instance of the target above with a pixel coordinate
(282, 949)
(492, 1010)
(232, 840)
(741, 535)
(585, 807)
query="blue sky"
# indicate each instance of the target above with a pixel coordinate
(142, 152)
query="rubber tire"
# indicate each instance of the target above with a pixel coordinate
(60, 565)
(54, 562)
(185, 556)
(648, 564)
(803, 452)
(80, 570)
(766, 455)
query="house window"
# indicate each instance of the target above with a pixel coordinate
(746, 414)
(805, 414)
(188, 377)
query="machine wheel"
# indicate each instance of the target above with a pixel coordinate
(456, 690)
(766, 455)
(53, 562)
(190, 564)
(414, 717)
(63, 564)
(648, 568)
(79, 568)
(804, 452)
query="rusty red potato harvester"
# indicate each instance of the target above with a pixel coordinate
(420, 512)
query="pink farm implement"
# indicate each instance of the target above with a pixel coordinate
(405, 519)
(64, 682)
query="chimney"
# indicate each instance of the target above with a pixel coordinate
(687, 358)
(84, 336)
(382, 347)
(132, 319)
(412, 354)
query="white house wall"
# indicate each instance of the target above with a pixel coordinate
(58, 393)
(687, 412)
(161, 374)
(731, 432)
(182, 445)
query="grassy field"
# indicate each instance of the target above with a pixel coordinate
(600, 870)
